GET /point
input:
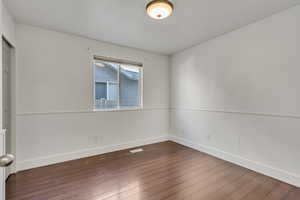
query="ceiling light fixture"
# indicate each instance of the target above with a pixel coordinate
(159, 9)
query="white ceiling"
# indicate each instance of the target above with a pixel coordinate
(125, 22)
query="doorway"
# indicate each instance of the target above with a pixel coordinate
(7, 99)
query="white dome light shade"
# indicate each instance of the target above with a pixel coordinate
(159, 9)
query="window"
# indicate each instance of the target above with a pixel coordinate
(117, 84)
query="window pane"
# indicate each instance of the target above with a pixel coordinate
(106, 85)
(101, 90)
(130, 85)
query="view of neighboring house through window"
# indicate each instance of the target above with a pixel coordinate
(117, 85)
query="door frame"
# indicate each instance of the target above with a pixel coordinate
(12, 88)
(2, 170)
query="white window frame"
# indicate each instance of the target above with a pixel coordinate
(141, 84)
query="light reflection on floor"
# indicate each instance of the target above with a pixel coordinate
(121, 192)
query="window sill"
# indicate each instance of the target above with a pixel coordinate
(118, 109)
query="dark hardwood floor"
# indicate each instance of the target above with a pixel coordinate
(163, 171)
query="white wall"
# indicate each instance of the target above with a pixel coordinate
(237, 96)
(55, 121)
(8, 26)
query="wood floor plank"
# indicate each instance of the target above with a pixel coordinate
(293, 194)
(205, 164)
(200, 191)
(279, 192)
(163, 171)
(113, 181)
(263, 190)
(183, 178)
(247, 188)
(230, 188)
(101, 171)
(121, 184)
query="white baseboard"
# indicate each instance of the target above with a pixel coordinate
(48, 160)
(285, 176)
